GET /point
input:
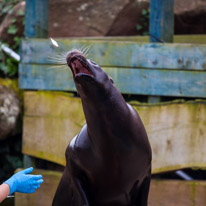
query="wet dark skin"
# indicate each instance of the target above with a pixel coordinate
(109, 162)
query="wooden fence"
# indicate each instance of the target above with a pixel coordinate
(176, 129)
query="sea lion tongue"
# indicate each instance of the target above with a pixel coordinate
(79, 68)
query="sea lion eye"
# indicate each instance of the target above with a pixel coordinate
(110, 78)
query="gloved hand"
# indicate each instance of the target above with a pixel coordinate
(22, 182)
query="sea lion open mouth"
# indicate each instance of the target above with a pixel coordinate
(78, 64)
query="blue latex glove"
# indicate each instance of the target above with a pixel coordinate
(22, 182)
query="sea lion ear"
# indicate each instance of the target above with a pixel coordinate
(110, 78)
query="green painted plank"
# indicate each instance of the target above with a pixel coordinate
(127, 80)
(36, 20)
(119, 54)
(162, 20)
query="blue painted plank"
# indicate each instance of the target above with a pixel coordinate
(36, 18)
(120, 54)
(162, 20)
(45, 77)
(128, 80)
(30, 18)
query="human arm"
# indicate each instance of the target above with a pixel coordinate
(24, 182)
(4, 191)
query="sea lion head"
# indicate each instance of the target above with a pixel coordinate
(87, 75)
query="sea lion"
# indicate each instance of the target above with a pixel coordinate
(109, 161)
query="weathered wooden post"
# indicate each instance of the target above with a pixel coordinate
(161, 26)
(161, 20)
(36, 18)
(36, 26)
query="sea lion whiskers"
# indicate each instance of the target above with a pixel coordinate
(58, 66)
(57, 59)
(85, 50)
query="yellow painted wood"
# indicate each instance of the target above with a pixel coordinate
(177, 193)
(176, 130)
(162, 192)
(51, 120)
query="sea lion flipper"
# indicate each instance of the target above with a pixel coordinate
(144, 190)
(70, 191)
(64, 193)
(79, 194)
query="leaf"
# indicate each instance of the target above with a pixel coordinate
(144, 12)
(12, 29)
(13, 20)
(17, 39)
(6, 9)
(139, 27)
(21, 13)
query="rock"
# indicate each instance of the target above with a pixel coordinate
(15, 18)
(9, 112)
(190, 17)
(79, 18)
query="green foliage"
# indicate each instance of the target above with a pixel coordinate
(9, 66)
(10, 157)
(6, 6)
(143, 26)
(21, 13)
(12, 29)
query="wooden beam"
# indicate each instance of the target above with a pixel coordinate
(176, 192)
(162, 192)
(176, 130)
(36, 18)
(161, 20)
(127, 80)
(119, 54)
